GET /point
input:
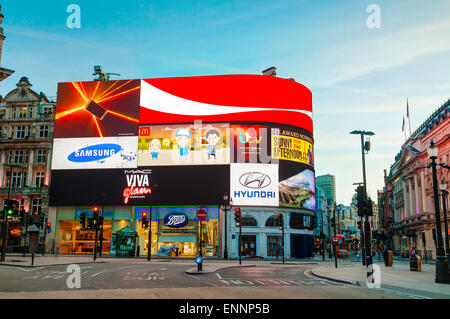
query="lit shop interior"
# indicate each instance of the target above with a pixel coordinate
(184, 241)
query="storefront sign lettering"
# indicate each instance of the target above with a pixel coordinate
(176, 220)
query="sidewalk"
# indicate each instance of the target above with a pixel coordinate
(398, 276)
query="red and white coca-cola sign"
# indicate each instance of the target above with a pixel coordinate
(138, 184)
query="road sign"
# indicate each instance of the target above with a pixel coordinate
(201, 214)
(198, 260)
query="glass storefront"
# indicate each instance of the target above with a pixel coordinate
(71, 238)
(177, 232)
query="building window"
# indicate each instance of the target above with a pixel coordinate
(18, 156)
(274, 246)
(18, 179)
(40, 177)
(43, 131)
(23, 112)
(22, 131)
(48, 109)
(271, 221)
(36, 206)
(41, 156)
(30, 112)
(248, 221)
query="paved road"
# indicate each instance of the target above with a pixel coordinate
(169, 280)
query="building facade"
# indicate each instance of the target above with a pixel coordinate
(328, 184)
(409, 186)
(26, 132)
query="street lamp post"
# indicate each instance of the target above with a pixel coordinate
(443, 188)
(367, 239)
(442, 275)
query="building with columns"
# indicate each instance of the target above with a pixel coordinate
(26, 134)
(410, 221)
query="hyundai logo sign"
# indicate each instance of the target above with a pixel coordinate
(254, 180)
(94, 153)
(176, 220)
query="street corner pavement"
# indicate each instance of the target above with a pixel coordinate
(207, 269)
(39, 260)
(399, 276)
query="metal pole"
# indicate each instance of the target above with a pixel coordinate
(5, 226)
(442, 275)
(446, 227)
(240, 242)
(45, 235)
(225, 252)
(323, 241)
(96, 238)
(335, 239)
(282, 234)
(149, 249)
(366, 224)
(26, 233)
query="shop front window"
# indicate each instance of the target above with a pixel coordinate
(273, 245)
(71, 239)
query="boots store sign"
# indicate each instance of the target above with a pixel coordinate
(254, 184)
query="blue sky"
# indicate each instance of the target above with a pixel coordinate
(360, 77)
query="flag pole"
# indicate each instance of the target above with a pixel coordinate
(407, 114)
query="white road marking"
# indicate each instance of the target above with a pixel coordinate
(28, 270)
(192, 276)
(98, 273)
(218, 275)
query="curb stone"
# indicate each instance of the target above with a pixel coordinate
(334, 279)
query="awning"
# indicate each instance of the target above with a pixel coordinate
(177, 239)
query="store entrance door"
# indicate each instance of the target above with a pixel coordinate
(249, 245)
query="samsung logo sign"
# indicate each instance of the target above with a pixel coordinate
(254, 180)
(176, 220)
(94, 153)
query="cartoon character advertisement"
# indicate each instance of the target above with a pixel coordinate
(189, 144)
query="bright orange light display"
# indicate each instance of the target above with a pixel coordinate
(99, 94)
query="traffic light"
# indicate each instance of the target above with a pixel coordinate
(237, 216)
(144, 219)
(359, 225)
(279, 220)
(100, 220)
(369, 208)
(48, 226)
(361, 196)
(89, 223)
(95, 213)
(83, 219)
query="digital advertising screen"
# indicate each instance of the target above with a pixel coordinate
(203, 144)
(184, 141)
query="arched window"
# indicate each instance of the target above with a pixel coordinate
(248, 221)
(271, 221)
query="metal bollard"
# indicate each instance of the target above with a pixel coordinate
(32, 258)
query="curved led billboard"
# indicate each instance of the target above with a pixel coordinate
(194, 139)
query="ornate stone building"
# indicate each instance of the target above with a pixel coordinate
(409, 219)
(4, 73)
(26, 134)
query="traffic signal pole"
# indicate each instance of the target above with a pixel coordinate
(149, 248)
(240, 241)
(335, 238)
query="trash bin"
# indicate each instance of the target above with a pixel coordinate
(389, 259)
(415, 263)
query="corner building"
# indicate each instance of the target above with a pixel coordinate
(170, 147)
